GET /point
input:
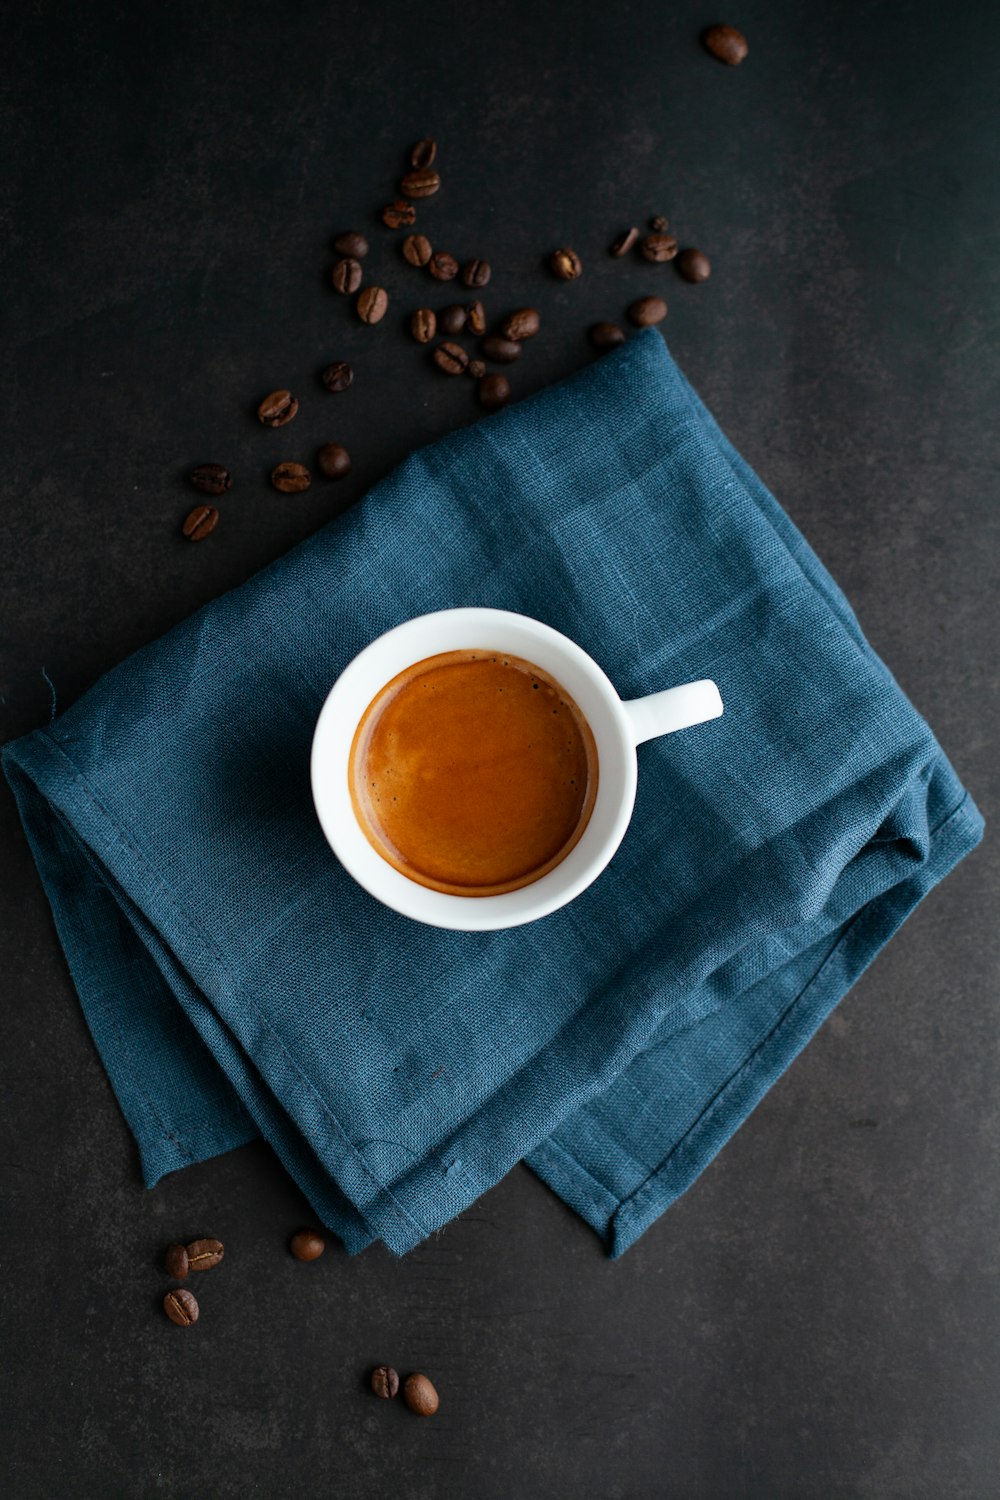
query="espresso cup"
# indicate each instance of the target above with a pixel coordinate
(617, 725)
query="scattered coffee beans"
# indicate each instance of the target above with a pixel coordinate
(605, 336)
(420, 1396)
(333, 461)
(181, 1307)
(399, 215)
(211, 479)
(476, 368)
(494, 392)
(291, 478)
(566, 264)
(175, 1262)
(385, 1381)
(200, 522)
(277, 409)
(520, 325)
(307, 1244)
(346, 276)
(476, 273)
(659, 224)
(658, 247)
(726, 43)
(372, 303)
(500, 351)
(475, 318)
(423, 153)
(422, 183)
(451, 358)
(338, 376)
(351, 243)
(452, 319)
(694, 265)
(623, 244)
(442, 266)
(423, 325)
(647, 311)
(417, 249)
(204, 1254)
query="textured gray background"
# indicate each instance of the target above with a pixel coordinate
(818, 1317)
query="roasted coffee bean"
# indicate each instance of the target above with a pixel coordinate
(566, 264)
(659, 224)
(204, 1254)
(399, 215)
(346, 276)
(200, 523)
(623, 244)
(291, 478)
(494, 392)
(658, 247)
(452, 319)
(277, 409)
(647, 311)
(372, 303)
(520, 325)
(175, 1262)
(338, 376)
(423, 325)
(605, 336)
(442, 266)
(451, 358)
(385, 1381)
(423, 153)
(499, 350)
(422, 183)
(351, 242)
(475, 318)
(181, 1307)
(307, 1244)
(726, 43)
(211, 479)
(420, 1396)
(694, 265)
(417, 249)
(476, 272)
(334, 462)
(476, 368)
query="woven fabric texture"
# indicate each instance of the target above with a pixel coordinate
(236, 980)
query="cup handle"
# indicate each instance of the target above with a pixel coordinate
(676, 708)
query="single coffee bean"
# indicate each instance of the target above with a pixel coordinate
(211, 479)
(204, 1254)
(475, 318)
(476, 272)
(476, 368)
(451, 358)
(605, 336)
(442, 266)
(726, 43)
(200, 522)
(647, 311)
(659, 224)
(452, 319)
(423, 153)
(175, 1262)
(420, 1396)
(423, 325)
(307, 1244)
(520, 325)
(372, 303)
(499, 350)
(351, 242)
(338, 376)
(566, 264)
(346, 276)
(658, 247)
(277, 409)
(623, 244)
(399, 215)
(334, 461)
(417, 249)
(181, 1307)
(420, 184)
(385, 1381)
(291, 478)
(694, 265)
(494, 392)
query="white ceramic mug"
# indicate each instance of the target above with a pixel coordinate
(618, 727)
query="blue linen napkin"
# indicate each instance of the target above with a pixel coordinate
(237, 981)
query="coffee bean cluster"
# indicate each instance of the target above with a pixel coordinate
(418, 1391)
(179, 1261)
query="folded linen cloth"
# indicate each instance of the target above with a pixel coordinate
(237, 981)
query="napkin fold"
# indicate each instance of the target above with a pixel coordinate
(237, 981)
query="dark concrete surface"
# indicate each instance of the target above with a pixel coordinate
(819, 1316)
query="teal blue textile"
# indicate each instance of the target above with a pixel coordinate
(237, 981)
